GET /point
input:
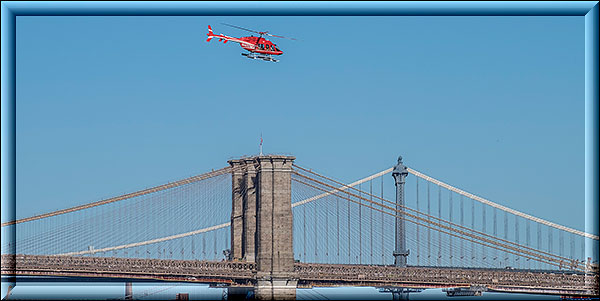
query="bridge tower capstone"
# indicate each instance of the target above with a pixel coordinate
(261, 222)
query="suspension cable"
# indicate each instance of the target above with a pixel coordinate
(498, 206)
(490, 203)
(434, 228)
(440, 225)
(189, 180)
(436, 218)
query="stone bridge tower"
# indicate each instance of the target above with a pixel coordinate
(261, 223)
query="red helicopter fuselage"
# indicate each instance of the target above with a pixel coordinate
(260, 45)
(251, 43)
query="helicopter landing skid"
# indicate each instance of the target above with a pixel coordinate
(255, 56)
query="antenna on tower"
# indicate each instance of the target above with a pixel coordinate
(260, 148)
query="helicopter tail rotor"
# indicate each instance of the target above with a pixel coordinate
(210, 34)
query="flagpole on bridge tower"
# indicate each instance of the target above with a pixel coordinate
(260, 147)
(400, 173)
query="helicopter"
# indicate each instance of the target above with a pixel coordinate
(257, 47)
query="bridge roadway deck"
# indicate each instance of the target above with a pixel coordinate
(243, 274)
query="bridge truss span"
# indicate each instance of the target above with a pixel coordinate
(233, 273)
(227, 272)
(433, 277)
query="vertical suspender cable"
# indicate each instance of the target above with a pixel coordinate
(450, 213)
(349, 255)
(428, 229)
(316, 230)
(483, 227)
(337, 207)
(517, 261)
(572, 241)
(462, 223)
(539, 242)
(472, 227)
(506, 236)
(304, 231)
(359, 224)
(527, 240)
(382, 227)
(371, 218)
(561, 243)
(439, 260)
(418, 237)
(495, 231)
(326, 211)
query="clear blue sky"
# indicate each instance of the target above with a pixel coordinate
(493, 105)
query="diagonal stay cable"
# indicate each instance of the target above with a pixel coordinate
(559, 261)
(477, 240)
(503, 208)
(203, 230)
(124, 197)
(147, 242)
(343, 187)
(443, 220)
(490, 203)
(551, 257)
(226, 224)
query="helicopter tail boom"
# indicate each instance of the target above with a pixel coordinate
(224, 38)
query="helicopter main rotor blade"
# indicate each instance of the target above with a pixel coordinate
(272, 35)
(242, 28)
(259, 32)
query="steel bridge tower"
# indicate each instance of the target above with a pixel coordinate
(400, 253)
